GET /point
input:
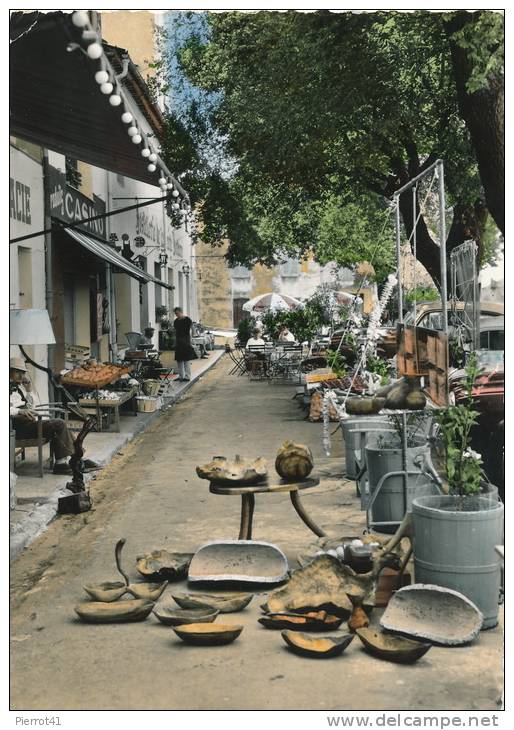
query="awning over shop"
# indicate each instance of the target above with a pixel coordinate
(56, 102)
(112, 257)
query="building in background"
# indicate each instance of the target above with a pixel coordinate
(110, 275)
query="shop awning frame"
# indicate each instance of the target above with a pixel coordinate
(105, 252)
(56, 103)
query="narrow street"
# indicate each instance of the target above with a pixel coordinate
(151, 496)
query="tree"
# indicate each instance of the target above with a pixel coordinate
(476, 43)
(324, 112)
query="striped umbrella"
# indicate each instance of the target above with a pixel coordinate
(271, 301)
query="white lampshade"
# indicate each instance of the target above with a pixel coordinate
(30, 327)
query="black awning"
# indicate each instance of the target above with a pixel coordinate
(56, 103)
(101, 250)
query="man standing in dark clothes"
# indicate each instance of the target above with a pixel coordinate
(184, 351)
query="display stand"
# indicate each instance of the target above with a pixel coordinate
(248, 501)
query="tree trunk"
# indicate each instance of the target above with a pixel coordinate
(483, 113)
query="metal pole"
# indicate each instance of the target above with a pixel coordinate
(398, 259)
(442, 244)
(414, 240)
(404, 460)
(49, 284)
(418, 177)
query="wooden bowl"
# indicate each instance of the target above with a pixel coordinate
(318, 647)
(106, 592)
(182, 616)
(393, 648)
(208, 634)
(148, 591)
(97, 612)
(228, 603)
(312, 621)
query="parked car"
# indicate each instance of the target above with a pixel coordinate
(429, 315)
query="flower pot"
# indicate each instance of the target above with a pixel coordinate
(352, 440)
(454, 541)
(391, 504)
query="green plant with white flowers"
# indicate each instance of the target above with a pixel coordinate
(463, 465)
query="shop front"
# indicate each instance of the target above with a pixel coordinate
(27, 258)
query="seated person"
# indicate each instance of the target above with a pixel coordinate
(147, 338)
(255, 339)
(285, 335)
(24, 420)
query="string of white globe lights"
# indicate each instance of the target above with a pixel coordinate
(109, 85)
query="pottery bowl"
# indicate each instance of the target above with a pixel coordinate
(107, 591)
(393, 648)
(208, 634)
(97, 612)
(149, 591)
(228, 603)
(312, 621)
(321, 647)
(183, 616)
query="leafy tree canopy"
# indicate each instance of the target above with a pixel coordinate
(317, 118)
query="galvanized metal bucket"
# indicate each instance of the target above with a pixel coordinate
(454, 547)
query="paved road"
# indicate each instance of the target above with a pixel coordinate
(150, 494)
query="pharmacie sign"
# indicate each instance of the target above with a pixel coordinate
(69, 205)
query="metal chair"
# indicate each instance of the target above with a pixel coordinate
(44, 411)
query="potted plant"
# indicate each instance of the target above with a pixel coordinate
(455, 534)
(161, 313)
(244, 330)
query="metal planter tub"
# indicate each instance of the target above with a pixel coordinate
(454, 547)
(383, 466)
(352, 438)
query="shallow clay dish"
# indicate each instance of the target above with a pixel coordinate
(393, 648)
(311, 621)
(182, 616)
(321, 647)
(208, 634)
(149, 591)
(228, 603)
(107, 591)
(96, 612)
(163, 565)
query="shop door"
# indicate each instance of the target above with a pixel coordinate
(69, 309)
(25, 277)
(238, 311)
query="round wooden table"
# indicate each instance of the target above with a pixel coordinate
(248, 501)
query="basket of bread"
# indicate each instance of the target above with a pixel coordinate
(94, 375)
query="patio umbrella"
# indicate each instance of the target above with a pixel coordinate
(271, 301)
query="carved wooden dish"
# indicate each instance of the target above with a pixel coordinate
(107, 591)
(321, 647)
(393, 648)
(97, 612)
(325, 583)
(228, 603)
(183, 616)
(208, 634)
(163, 565)
(149, 591)
(233, 472)
(309, 621)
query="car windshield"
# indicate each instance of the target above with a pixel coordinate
(490, 358)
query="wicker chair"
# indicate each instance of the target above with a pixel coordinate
(44, 411)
